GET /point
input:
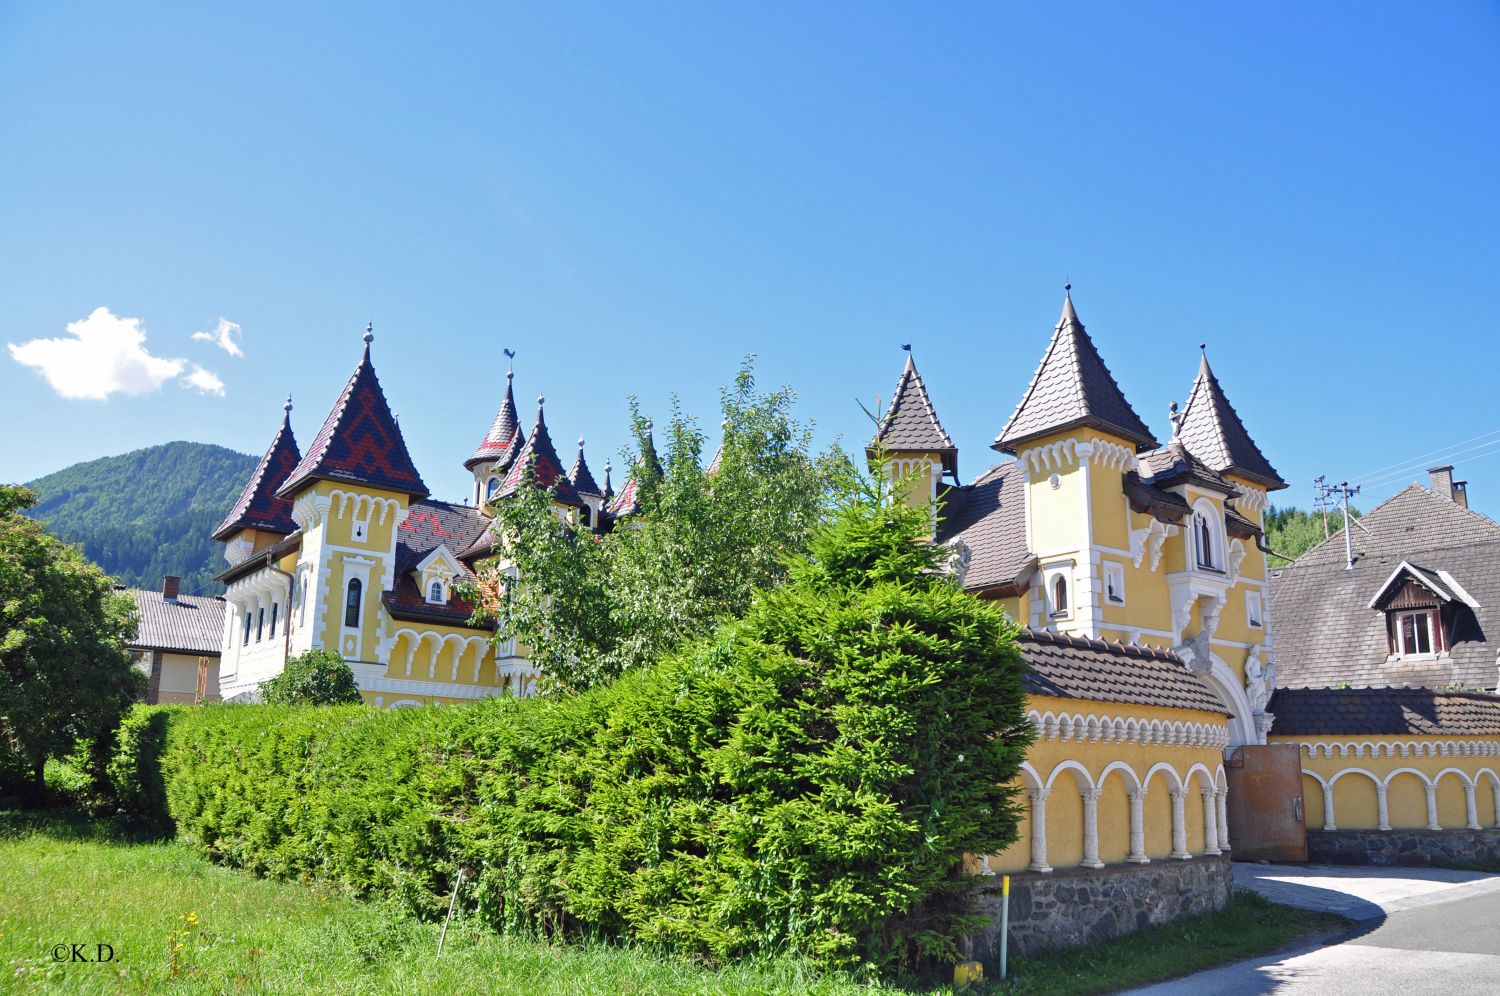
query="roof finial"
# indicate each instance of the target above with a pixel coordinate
(510, 366)
(1068, 288)
(1203, 346)
(288, 406)
(369, 332)
(906, 346)
(541, 399)
(580, 444)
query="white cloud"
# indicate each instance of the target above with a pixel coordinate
(224, 336)
(106, 354)
(205, 381)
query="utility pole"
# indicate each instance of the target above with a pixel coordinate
(1346, 493)
(1321, 483)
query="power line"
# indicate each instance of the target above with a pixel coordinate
(1421, 464)
(1435, 454)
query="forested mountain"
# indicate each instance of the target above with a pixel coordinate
(148, 513)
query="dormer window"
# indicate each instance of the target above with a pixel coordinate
(437, 594)
(1422, 607)
(491, 488)
(1414, 632)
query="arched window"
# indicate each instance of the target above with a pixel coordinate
(248, 617)
(351, 603)
(260, 624)
(584, 515)
(275, 611)
(435, 593)
(1206, 537)
(1059, 595)
(491, 487)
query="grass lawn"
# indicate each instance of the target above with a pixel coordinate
(179, 924)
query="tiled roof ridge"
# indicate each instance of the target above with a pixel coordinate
(1379, 690)
(262, 488)
(404, 476)
(911, 381)
(1104, 646)
(538, 450)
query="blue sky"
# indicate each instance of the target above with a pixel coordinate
(635, 196)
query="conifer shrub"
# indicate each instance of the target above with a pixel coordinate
(807, 779)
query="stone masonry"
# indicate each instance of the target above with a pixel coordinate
(1085, 906)
(1420, 848)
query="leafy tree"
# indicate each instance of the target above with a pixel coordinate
(1292, 532)
(64, 672)
(591, 607)
(318, 677)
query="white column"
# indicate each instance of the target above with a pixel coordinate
(1222, 795)
(1432, 819)
(1210, 822)
(1495, 790)
(1328, 823)
(1179, 824)
(1381, 798)
(1138, 827)
(1472, 806)
(1091, 829)
(1039, 830)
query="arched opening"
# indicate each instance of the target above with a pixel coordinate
(491, 488)
(1114, 817)
(1065, 819)
(1059, 596)
(1158, 813)
(352, 602)
(1312, 802)
(1208, 535)
(1356, 804)
(1452, 801)
(1484, 798)
(1406, 801)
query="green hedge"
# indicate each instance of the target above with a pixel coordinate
(809, 780)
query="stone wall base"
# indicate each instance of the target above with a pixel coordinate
(1419, 848)
(1086, 906)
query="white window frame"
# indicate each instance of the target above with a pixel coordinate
(1213, 520)
(1050, 577)
(1402, 650)
(442, 587)
(1114, 573)
(1254, 610)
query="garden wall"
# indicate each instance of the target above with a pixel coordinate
(1087, 906)
(1420, 848)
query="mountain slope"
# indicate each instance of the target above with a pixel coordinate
(148, 513)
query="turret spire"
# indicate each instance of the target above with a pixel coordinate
(1211, 430)
(257, 506)
(537, 462)
(910, 424)
(503, 440)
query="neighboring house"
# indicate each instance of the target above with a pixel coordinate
(1384, 668)
(1137, 571)
(342, 548)
(177, 643)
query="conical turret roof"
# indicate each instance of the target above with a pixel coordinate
(583, 481)
(1211, 430)
(537, 462)
(627, 502)
(1072, 387)
(257, 506)
(501, 444)
(360, 442)
(911, 424)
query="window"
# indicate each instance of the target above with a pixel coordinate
(1414, 632)
(584, 517)
(302, 605)
(1252, 608)
(491, 487)
(435, 593)
(275, 611)
(351, 602)
(1059, 596)
(248, 617)
(260, 624)
(1114, 583)
(1204, 537)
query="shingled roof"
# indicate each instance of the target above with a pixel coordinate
(1212, 431)
(360, 442)
(582, 480)
(989, 517)
(1072, 667)
(538, 461)
(504, 440)
(1326, 632)
(257, 506)
(428, 525)
(186, 625)
(911, 424)
(1384, 712)
(1072, 387)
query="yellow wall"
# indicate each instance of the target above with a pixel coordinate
(1356, 768)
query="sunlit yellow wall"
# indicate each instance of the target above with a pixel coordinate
(1358, 764)
(1052, 761)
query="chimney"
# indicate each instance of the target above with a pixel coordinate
(169, 586)
(1441, 480)
(1461, 493)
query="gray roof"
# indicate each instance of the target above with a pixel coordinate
(1327, 635)
(504, 440)
(1384, 711)
(1072, 667)
(911, 424)
(1072, 387)
(989, 517)
(582, 480)
(1212, 431)
(190, 625)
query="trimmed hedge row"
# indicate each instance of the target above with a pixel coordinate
(809, 781)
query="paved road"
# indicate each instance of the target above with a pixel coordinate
(1437, 941)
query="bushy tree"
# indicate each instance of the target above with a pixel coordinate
(590, 607)
(1292, 531)
(64, 672)
(318, 677)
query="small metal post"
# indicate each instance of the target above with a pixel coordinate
(448, 919)
(1004, 923)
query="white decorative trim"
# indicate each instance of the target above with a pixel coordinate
(1090, 728)
(1401, 748)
